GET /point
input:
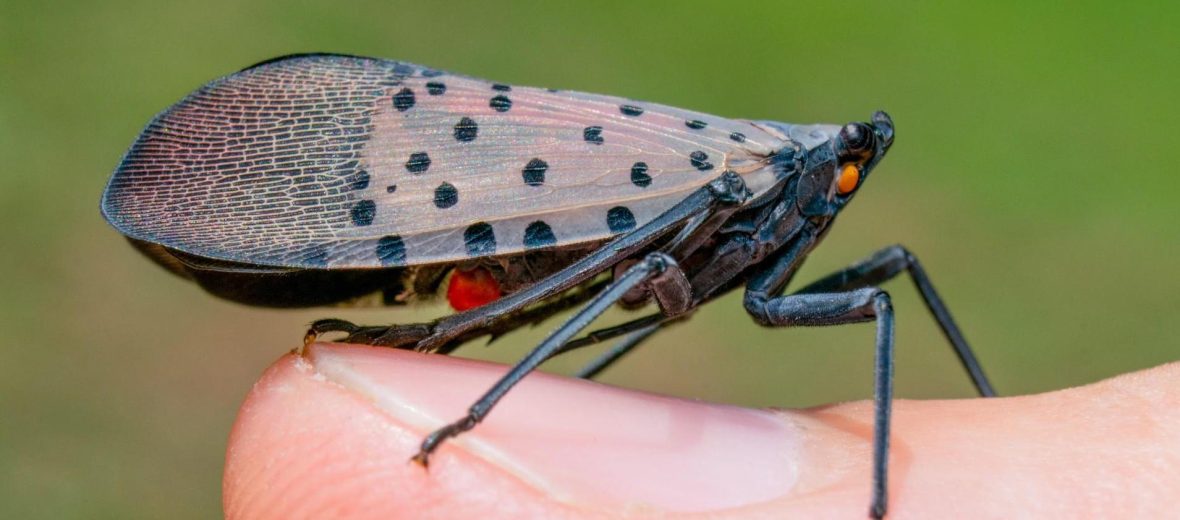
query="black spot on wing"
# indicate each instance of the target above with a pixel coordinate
(419, 162)
(592, 134)
(403, 100)
(639, 176)
(620, 219)
(436, 88)
(446, 195)
(500, 103)
(391, 251)
(538, 234)
(391, 188)
(695, 124)
(431, 73)
(466, 130)
(359, 180)
(363, 212)
(534, 172)
(630, 110)
(500, 87)
(402, 70)
(700, 160)
(738, 136)
(479, 239)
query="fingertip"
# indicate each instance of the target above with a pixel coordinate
(304, 446)
(332, 435)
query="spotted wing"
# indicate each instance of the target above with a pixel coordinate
(322, 160)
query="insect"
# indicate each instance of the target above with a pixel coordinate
(321, 179)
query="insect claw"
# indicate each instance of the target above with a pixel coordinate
(308, 339)
(422, 459)
(319, 327)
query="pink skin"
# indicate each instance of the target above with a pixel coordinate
(330, 435)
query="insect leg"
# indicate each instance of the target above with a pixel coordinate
(883, 266)
(362, 334)
(860, 305)
(613, 331)
(652, 267)
(673, 293)
(726, 190)
(616, 352)
(529, 316)
(319, 327)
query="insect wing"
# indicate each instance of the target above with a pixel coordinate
(334, 161)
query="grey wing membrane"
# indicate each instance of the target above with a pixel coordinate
(331, 161)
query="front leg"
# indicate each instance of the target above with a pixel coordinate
(655, 269)
(855, 306)
(887, 264)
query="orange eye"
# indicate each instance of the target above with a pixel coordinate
(849, 176)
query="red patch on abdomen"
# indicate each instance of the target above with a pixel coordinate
(470, 288)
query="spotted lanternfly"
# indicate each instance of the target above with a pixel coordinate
(322, 179)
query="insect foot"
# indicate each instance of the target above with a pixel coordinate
(396, 336)
(320, 327)
(653, 265)
(432, 441)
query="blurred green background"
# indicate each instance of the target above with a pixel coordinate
(1033, 173)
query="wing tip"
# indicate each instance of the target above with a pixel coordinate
(128, 189)
(112, 204)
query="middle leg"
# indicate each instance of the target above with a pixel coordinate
(860, 305)
(883, 266)
(653, 269)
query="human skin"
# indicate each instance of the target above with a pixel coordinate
(330, 435)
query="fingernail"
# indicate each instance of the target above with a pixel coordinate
(579, 441)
